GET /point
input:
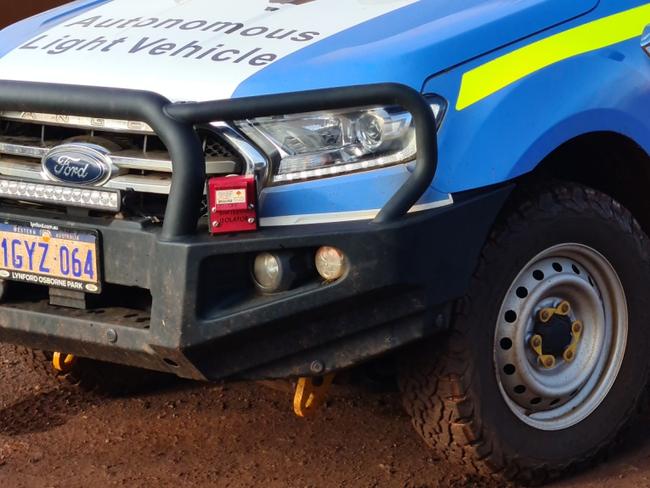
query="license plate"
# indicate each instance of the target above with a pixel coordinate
(50, 256)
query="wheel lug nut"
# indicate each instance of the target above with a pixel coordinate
(549, 362)
(536, 341)
(564, 308)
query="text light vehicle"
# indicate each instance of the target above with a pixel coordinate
(288, 188)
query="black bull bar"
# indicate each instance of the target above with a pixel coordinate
(174, 124)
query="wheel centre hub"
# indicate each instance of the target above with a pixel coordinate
(556, 335)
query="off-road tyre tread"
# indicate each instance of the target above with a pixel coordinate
(437, 385)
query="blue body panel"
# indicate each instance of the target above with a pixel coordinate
(349, 193)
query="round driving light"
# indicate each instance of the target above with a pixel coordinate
(370, 131)
(267, 271)
(331, 263)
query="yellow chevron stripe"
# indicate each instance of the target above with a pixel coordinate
(487, 79)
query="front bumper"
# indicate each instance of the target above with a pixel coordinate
(207, 321)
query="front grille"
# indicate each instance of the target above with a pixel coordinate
(143, 161)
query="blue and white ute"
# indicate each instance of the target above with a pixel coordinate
(273, 189)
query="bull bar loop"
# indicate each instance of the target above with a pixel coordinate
(174, 124)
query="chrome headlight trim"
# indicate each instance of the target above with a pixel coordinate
(256, 162)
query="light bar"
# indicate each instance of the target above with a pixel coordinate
(69, 196)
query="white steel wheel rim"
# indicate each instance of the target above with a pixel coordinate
(562, 396)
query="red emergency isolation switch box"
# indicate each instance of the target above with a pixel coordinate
(233, 204)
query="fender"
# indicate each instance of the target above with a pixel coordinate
(510, 132)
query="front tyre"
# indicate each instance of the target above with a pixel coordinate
(547, 359)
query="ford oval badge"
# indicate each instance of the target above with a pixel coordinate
(79, 164)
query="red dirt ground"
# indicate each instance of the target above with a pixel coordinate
(239, 435)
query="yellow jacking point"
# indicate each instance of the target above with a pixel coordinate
(63, 362)
(311, 394)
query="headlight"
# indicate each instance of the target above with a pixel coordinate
(318, 144)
